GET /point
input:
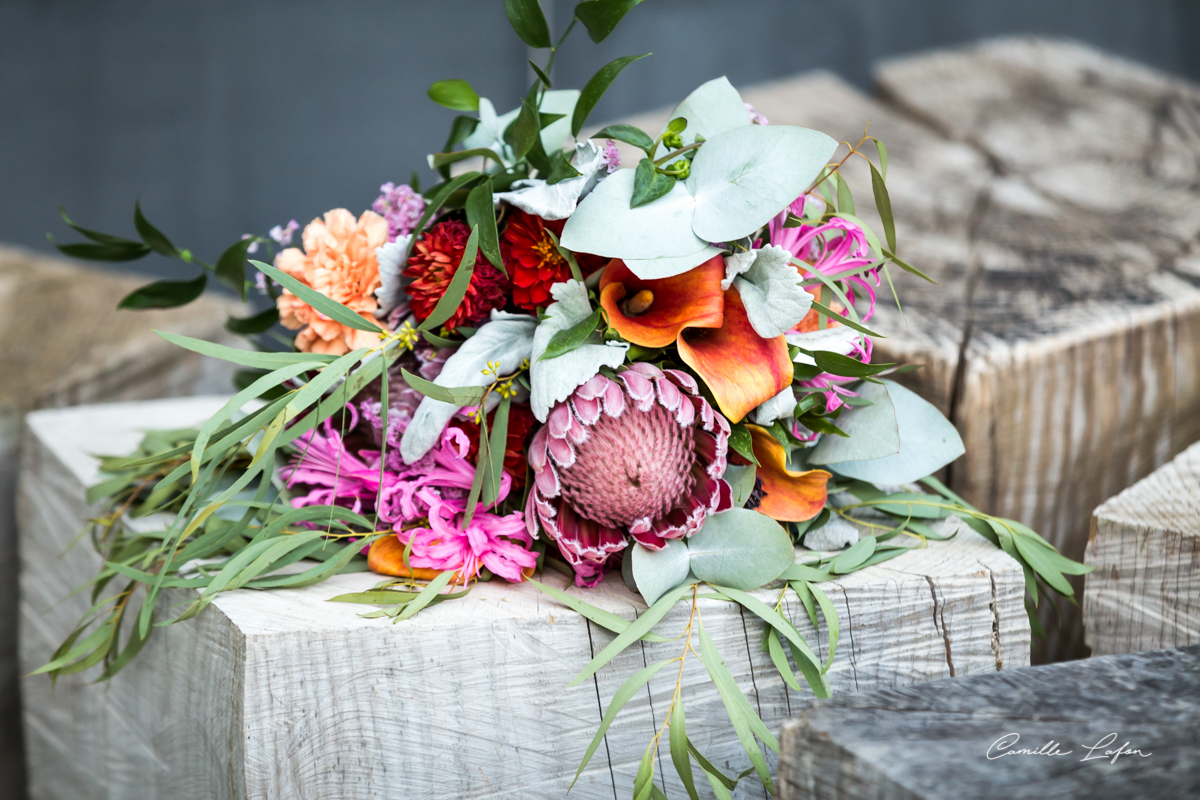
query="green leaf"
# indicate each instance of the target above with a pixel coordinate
(103, 238)
(560, 169)
(742, 443)
(327, 306)
(246, 358)
(461, 396)
(883, 204)
(165, 294)
(804, 572)
(256, 323)
(316, 388)
(230, 268)
(736, 706)
(481, 213)
(715, 776)
(740, 548)
(679, 750)
(849, 323)
(427, 595)
(831, 623)
(838, 364)
(481, 459)
(523, 133)
(783, 626)
(462, 127)
(775, 650)
(605, 619)
(656, 572)
(1038, 561)
(640, 626)
(882, 158)
(844, 198)
(103, 252)
(600, 17)
(873, 431)
(455, 94)
(457, 289)
(528, 21)
(904, 265)
(854, 556)
(567, 340)
(741, 480)
(629, 135)
(677, 125)
(649, 184)
(151, 235)
(595, 89)
(542, 76)
(443, 159)
(643, 783)
(622, 696)
(440, 341)
(497, 444)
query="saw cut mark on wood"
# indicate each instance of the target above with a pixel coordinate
(1145, 546)
(932, 741)
(282, 694)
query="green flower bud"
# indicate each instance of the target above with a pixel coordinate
(672, 141)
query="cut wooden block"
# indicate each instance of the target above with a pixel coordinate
(284, 695)
(1145, 545)
(1052, 191)
(945, 740)
(62, 341)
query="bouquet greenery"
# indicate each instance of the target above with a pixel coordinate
(544, 361)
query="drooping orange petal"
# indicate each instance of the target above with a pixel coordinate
(690, 300)
(741, 368)
(386, 557)
(787, 496)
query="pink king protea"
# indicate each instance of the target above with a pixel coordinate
(642, 455)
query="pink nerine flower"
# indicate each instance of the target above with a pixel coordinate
(642, 455)
(499, 543)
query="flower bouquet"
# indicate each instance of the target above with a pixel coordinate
(547, 362)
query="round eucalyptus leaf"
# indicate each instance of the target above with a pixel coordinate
(656, 572)
(740, 549)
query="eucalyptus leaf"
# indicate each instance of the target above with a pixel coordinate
(744, 176)
(327, 306)
(928, 442)
(460, 396)
(667, 266)
(481, 214)
(605, 224)
(656, 572)
(453, 296)
(742, 549)
(741, 480)
(713, 108)
(872, 429)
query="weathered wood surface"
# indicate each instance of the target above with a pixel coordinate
(932, 741)
(284, 695)
(1145, 545)
(1053, 191)
(62, 342)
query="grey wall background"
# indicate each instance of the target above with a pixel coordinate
(229, 116)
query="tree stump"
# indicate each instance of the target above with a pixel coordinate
(946, 740)
(1145, 591)
(282, 694)
(62, 341)
(1052, 190)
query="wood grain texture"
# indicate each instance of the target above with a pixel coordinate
(283, 695)
(931, 741)
(63, 342)
(1079, 358)
(1145, 591)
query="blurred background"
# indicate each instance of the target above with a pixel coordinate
(229, 117)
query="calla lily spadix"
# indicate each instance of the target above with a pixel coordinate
(652, 313)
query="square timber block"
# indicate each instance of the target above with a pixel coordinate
(281, 694)
(62, 342)
(1145, 591)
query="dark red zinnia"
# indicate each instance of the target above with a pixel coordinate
(520, 423)
(432, 266)
(532, 260)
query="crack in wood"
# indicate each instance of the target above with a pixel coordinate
(995, 609)
(600, 705)
(940, 626)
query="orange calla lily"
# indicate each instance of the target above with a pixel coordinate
(651, 313)
(788, 496)
(742, 369)
(386, 557)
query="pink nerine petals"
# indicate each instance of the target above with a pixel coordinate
(499, 543)
(642, 455)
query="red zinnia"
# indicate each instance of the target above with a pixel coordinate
(532, 260)
(433, 264)
(520, 423)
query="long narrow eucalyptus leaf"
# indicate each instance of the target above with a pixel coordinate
(453, 296)
(427, 594)
(605, 619)
(326, 305)
(246, 358)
